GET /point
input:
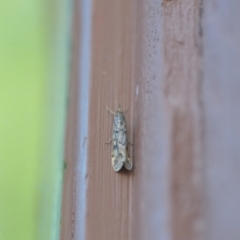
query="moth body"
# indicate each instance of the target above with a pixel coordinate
(119, 139)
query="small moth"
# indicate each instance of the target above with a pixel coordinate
(120, 142)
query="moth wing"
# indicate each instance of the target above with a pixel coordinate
(128, 164)
(117, 163)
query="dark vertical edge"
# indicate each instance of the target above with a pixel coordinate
(68, 217)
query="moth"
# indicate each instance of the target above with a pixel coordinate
(120, 142)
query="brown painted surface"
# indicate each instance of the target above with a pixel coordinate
(181, 59)
(109, 194)
(175, 66)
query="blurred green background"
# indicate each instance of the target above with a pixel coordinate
(34, 71)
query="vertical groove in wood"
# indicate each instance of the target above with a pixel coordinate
(182, 89)
(69, 195)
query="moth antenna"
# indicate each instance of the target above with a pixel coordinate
(110, 110)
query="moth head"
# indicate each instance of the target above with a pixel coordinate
(119, 110)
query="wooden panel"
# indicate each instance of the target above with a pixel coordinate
(182, 92)
(174, 65)
(109, 194)
(168, 182)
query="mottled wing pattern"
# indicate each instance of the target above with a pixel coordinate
(117, 161)
(128, 164)
(119, 139)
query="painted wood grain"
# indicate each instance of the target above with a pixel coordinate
(109, 194)
(174, 66)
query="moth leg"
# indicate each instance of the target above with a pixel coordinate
(110, 110)
(108, 141)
